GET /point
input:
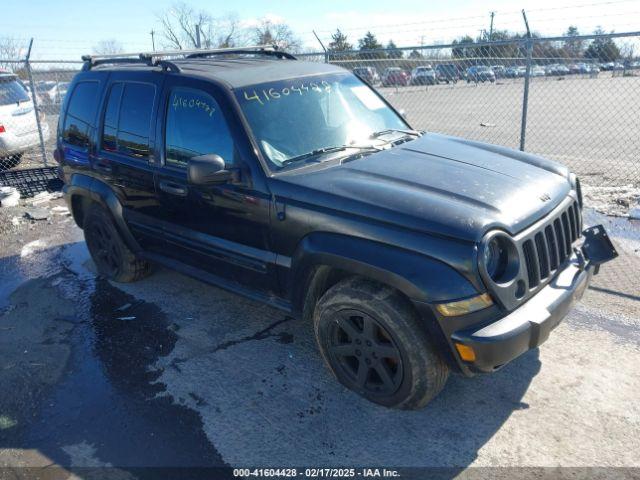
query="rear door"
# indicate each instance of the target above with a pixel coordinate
(126, 153)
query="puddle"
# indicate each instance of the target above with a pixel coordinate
(108, 399)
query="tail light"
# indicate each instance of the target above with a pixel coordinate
(2, 130)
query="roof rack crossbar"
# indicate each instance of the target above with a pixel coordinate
(273, 51)
(154, 58)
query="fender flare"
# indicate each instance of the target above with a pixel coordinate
(99, 192)
(418, 277)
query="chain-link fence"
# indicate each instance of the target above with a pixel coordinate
(31, 93)
(573, 99)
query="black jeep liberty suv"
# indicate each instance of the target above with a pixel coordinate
(296, 184)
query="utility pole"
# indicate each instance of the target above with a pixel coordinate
(491, 26)
(153, 42)
(198, 36)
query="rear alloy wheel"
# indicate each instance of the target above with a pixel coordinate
(113, 258)
(373, 341)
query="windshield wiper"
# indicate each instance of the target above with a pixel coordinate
(321, 151)
(407, 131)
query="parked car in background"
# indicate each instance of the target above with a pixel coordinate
(512, 72)
(537, 72)
(480, 73)
(555, 69)
(368, 74)
(18, 125)
(52, 92)
(447, 73)
(499, 71)
(423, 75)
(574, 68)
(395, 76)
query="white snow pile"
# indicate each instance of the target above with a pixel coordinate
(618, 201)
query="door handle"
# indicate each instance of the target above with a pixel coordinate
(173, 189)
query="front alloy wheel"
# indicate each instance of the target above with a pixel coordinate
(364, 351)
(375, 343)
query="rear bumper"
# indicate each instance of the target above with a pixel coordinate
(530, 325)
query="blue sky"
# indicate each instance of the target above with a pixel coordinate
(67, 28)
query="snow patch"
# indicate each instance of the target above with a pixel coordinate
(32, 247)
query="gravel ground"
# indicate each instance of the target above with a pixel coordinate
(171, 372)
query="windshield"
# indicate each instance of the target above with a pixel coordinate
(11, 91)
(292, 118)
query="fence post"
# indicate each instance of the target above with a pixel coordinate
(36, 108)
(326, 53)
(527, 78)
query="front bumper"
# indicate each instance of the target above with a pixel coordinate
(501, 341)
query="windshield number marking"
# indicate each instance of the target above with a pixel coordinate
(276, 93)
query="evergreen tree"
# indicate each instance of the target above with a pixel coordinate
(603, 49)
(339, 42)
(393, 51)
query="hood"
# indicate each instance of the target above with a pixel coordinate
(439, 184)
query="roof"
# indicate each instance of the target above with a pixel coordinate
(239, 72)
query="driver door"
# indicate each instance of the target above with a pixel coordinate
(221, 228)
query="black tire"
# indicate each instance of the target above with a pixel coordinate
(403, 370)
(113, 258)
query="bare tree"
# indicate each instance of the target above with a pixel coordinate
(180, 23)
(280, 34)
(10, 49)
(108, 47)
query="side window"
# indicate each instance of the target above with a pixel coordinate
(127, 119)
(195, 126)
(80, 114)
(110, 131)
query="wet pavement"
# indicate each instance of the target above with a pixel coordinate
(169, 372)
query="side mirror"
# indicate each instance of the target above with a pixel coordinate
(207, 169)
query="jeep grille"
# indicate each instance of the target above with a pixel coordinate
(546, 250)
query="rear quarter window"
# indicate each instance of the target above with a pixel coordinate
(81, 111)
(12, 91)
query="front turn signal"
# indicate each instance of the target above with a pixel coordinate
(466, 352)
(462, 307)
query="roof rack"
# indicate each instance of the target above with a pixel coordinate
(154, 58)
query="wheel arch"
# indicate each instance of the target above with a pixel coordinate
(323, 259)
(83, 190)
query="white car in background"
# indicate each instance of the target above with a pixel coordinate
(18, 125)
(424, 75)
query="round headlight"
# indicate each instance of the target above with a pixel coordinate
(500, 258)
(494, 258)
